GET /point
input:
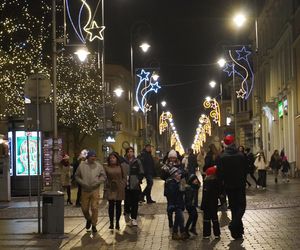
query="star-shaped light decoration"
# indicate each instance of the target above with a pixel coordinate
(94, 31)
(243, 54)
(229, 68)
(155, 87)
(147, 107)
(144, 75)
(241, 93)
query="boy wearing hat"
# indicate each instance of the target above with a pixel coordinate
(174, 195)
(209, 205)
(89, 175)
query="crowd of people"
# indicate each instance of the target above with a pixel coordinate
(224, 176)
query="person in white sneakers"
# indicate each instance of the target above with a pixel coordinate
(133, 187)
(261, 165)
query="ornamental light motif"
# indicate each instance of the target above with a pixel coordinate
(215, 113)
(241, 67)
(205, 121)
(164, 119)
(146, 85)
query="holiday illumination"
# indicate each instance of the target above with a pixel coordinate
(145, 86)
(164, 118)
(241, 66)
(215, 113)
(205, 121)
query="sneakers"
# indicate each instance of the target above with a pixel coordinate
(134, 223)
(217, 237)
(88, 225)
(94, 229)
(127, 218)
(175, 236)
(206, 237)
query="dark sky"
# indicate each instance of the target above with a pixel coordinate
(186, 39)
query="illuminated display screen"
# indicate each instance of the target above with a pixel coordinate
(280, 109)
(10, 151)
(22, 161)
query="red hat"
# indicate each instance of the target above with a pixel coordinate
(211, 170)
(228, 140)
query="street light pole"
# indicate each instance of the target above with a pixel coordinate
(234, 103)
(103, 82)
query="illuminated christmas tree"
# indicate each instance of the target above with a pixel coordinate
(22, 36)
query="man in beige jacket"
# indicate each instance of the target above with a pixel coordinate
(89, 175)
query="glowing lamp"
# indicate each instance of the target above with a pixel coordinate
(82, 54)
(145, 47)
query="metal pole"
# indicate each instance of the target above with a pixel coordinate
(28, 164)
(132, 80)
(56, 185)
(146, 130)
(103, 80)
(38, 152)
(157, 123)
(234, 104)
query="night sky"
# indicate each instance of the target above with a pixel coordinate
(186, 40)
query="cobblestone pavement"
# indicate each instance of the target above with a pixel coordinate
(272, 221)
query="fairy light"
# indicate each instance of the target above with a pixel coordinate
(204, 119)
(215, 113)
(164, 119)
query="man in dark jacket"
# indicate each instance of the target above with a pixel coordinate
(149, 171)
(232, 171)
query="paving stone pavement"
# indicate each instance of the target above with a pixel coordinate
(272, 221)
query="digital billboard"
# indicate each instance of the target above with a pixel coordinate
(22, 161)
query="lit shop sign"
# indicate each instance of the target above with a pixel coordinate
(285, 106)
(24, 157)
(110, 139)
(280, 109)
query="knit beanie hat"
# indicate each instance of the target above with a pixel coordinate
(211, 171)
(172, 153)
(91, 153)
(228, 140)
(173, 170)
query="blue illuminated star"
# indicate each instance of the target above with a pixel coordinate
(243, 54)
(155, 87)
(144, 75)
(229, 68)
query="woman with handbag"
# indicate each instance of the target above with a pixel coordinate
(115, 188)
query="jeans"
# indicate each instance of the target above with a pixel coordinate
(111, 210)
(179, 221)
(90, 199)
(148, 188)
(193, 217)
(208, 216)
(78, 195)
(262, 178)
(131, 202)
(237, 203)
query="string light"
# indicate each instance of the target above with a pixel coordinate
(164, 118)
(215, 113)
(205, 121)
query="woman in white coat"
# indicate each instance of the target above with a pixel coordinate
(261, 165)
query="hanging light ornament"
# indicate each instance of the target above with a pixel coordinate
(205, 121)
(215, 113)
(164, 118)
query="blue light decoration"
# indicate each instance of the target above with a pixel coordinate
(240, 66)
(145, 86)
(91, 27)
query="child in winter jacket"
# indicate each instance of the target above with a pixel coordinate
(174, 194)
(209, 205)
(191, 191)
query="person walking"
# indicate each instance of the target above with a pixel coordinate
(66, 174)
(232, 172)
(261, 165)
(191, 190)
(285, 169)
(89, 175)
(209, 204)
(211, 157)
(192, 163)
(175, 196)
(133, 187)
(149, 171)
(200, 161)
(114, 190)
(172, 162)
(275, 164)
(251, 167)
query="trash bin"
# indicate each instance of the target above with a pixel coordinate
(53, 213)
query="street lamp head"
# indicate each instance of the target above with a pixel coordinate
(136, 108)
(239, 19)
(145, 47)
(212, 84)
(221, 62)
(164, 103)
(208, 98)
(118, 92)
(82, 54)
(155, 76)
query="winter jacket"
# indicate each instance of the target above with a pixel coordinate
(211, 193)
(116, 182)
(275, 164)
(164, 173)
(285, 166)
(192, 164)
(174, 194)
(232, 168)
(190, 195)
(147, 162)
(66, 175)
(251, 167)
(135, 174)
(89, 176)
(209, 161)
(260, 164)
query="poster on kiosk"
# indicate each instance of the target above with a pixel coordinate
(24, 161)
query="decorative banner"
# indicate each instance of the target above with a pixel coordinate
(146, 86)
(215, 113)
(164, 118)
(91, 27)
(240, 66)
(205, 121)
